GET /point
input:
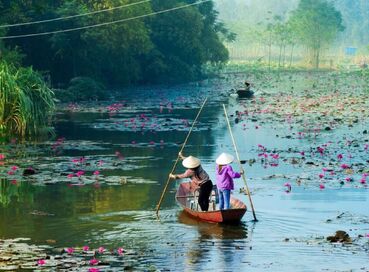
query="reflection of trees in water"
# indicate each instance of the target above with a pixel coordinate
(216, 242)
(14, 192)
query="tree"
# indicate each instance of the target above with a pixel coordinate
(316, 23)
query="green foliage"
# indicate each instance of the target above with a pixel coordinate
(26, 103)
(316, 23)
(82, 89)
(168, 47)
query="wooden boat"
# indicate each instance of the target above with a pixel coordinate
(245, 93)
(187, 198)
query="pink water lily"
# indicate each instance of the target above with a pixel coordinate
(2, 157)
(70, 176)
(85, 248)
(14, 168)
(70, 250)
(340, 156)
(41, 262)
(94, 262)
(80, 173)
(101, 249)
(348, 179)
(321, 175)
(92, 269)
(97, 172)
(321, 186)
(345, 166)
(120, 251)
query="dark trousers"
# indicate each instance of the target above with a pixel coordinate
(204, 194)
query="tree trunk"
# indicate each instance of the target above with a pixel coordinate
(270, 48)
(317, 59)
(291, 56)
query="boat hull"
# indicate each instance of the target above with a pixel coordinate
(185, 197)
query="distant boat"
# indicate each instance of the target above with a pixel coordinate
(186, 198)
(245, 93)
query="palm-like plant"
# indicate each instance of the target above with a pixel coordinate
(26, 103)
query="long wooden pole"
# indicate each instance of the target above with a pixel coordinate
(239, 162)
(177, 160)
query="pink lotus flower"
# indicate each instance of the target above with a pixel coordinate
(85, 248)
(302, 153)
(325, 169)
(94, 262)
(14, 168)
(120, 251)
(70, 250)
(344, 166)
(2, 156)
(97, 172)
(70, 176)
(321, 175)
(101, 249)
(363, 181)
(41, 262)
(92, 269)
(321, 186)
(340, 156)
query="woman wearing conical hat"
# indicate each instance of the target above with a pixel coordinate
(225, 176)
(199, 178)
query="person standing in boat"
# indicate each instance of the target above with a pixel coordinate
(225, 176)
(199, 179)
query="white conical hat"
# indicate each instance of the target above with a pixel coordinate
(191, 162)
(224, 159)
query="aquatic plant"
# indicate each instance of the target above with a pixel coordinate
(26, 103)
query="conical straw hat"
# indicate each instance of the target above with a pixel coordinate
(224, 159)
(191, 162)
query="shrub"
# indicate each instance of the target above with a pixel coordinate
(85, 88)
(26, 103)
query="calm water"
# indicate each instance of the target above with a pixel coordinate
(289, 236)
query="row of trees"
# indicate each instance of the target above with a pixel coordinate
(312, 26)
(171, 46)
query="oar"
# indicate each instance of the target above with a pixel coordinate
(239, 162)
(177, 160)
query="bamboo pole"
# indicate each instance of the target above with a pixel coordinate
(177, 160)
(239, 162)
